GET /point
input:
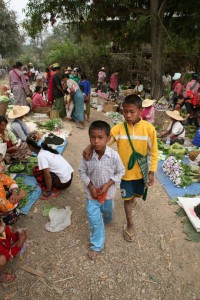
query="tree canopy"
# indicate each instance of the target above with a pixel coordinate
(10, 39)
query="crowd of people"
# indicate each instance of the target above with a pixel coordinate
(101, 168)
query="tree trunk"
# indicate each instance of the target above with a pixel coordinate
(157, 16)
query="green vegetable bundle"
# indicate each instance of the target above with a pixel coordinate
(4, 99)
(32, 163)
(27, 188)
(176, 149)
(195, 173)
(51, 124)
(16, 168)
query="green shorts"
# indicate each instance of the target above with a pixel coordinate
(132, 188)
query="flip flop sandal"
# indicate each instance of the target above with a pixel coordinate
(127, 236)
(53, 194)
(7, 278)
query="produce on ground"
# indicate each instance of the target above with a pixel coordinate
(16, 168)
(193, 154)
(31, 163)
(179, 173)
(27, 188)
(176, 149)
(190, 131)
(4, 99)
(51, 124)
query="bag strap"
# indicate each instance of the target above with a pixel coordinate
(193, 86)
(127, 133)
(17, 74)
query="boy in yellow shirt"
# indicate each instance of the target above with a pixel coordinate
(136, 139)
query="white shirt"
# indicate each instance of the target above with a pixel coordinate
(177, 128)
(139, 88)
(166, 79)
(56, 164)
(101, 171)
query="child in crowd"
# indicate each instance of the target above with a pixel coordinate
(175, 131)
(148, 112)
(135, 138)
(100, 176)
(10, 245)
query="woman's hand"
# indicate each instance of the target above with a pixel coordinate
(12, 149)
(22, 238)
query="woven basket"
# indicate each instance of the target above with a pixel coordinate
(3, 108)
(110, 106)
(54, 114)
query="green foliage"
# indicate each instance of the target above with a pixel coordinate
(10, 39)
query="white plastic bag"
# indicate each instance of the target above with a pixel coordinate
(3, 148)
(59, 219)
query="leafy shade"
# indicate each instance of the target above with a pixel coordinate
(10, 39)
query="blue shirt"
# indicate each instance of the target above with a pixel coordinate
(196, 140)
(86, 85)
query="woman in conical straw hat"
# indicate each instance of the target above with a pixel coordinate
(18, 126)
(175, 130)
(148, 111)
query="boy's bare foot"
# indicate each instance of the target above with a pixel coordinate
(129, 233)
(92, 254)
(7, 278)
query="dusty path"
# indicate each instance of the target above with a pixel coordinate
(160, 264)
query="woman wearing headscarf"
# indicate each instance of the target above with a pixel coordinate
(18, 84)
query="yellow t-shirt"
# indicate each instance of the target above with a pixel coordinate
(144, 140)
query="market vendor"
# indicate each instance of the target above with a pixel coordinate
(18, 126)
(53, 173)
(175, 131)
(10, 201)
(39, 105)
(16, 150)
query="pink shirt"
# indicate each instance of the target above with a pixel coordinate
(178, 87)
(113, 81)
(148, 114)
(38, 101)
(101, 76)
(17, 78)
(190, 84)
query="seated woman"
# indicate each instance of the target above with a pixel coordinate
(8, 203)
(175, 130)
(38, 103)
(18, 127)
(53, 171)
(139, 89)
(16, 150)
(148, 111)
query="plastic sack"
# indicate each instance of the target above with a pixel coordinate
(3, 148)
(59, 219)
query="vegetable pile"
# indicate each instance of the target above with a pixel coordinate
(51, 124)
(179, 173)
(27, 188)
(4, 99)
(176, 149)
(31, 163)
(16, 168)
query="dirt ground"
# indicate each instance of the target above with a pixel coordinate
(160, 264)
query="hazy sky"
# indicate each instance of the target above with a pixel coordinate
(18, 5)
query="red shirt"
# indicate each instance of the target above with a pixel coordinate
(7, 244)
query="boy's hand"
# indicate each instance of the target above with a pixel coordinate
(104, 189)
(87, 152)
(151, 178)
(93, 191)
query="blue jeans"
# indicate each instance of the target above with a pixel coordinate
(98, 213)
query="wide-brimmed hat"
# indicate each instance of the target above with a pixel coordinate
(18, 111)
(147, 102)
(175, 114)
(177, 76)
(69, 69)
